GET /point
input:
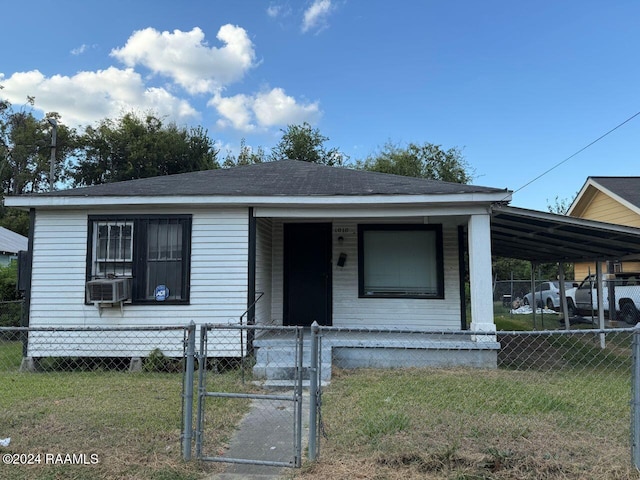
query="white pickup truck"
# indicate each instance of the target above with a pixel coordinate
(583, 299)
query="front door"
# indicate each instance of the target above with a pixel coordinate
(307, 273)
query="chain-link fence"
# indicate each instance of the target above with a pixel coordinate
(553, 404)
(384, 403)
(92, 402)
(620, 293)
(11, 313)
(258, 371)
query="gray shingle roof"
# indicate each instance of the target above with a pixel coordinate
(627, 188)
(282, 178)
(12, 242)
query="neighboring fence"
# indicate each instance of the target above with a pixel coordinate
(621, 290)
(509, 291)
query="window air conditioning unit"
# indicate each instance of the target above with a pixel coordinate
(108, 290)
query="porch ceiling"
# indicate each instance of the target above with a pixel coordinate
(549, 237)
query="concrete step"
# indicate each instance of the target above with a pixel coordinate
(278, 355)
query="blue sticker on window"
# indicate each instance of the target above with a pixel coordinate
(161, 293)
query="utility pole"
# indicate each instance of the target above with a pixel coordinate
(52, 167)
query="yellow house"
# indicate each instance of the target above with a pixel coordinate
(612, 200)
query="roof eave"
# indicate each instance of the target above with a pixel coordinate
(59, 201)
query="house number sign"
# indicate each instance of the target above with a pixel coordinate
(341, 230)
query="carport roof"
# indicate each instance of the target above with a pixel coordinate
(549, 237)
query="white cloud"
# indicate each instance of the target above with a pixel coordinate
(186, 58)
(274, 10)
(264, 110)
(278, 10)
(276, 108)
(83, 49)
(89, 96)
(80, 50)
(315, 16)
(235, 112)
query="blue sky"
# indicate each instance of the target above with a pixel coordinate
(519, 86)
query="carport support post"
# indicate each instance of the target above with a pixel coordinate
(563, 297)
(635, 400)
(600, 293)
(534, 303)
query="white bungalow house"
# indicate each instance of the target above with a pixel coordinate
(341, 247)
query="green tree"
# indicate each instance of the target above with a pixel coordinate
(247, 156)
(503, 268)
(25, 154)
(302, 142)
(15, 220)
(132, 147)
(9, 282)
(559, 206)
(25, 148)
(422, 161)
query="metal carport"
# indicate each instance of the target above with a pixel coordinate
(542, 237)
(548, 237)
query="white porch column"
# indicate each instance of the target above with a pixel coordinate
(480, 275)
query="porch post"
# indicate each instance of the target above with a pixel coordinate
(462, 273)
(251, 273)
(480, 275)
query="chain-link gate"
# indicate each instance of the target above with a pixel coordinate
(229, 371)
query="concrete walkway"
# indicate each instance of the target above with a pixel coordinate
(266, 433)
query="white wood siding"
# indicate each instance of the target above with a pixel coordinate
(263, 269)
(219, 259)
(351, 311)
(277, 267)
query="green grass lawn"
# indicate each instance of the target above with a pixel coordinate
(526, 420)
(470, 424)
(558, 408)
(131, 421)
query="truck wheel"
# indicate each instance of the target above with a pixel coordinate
(629, 313)
(571, 308)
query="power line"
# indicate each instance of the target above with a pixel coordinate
(579, 151)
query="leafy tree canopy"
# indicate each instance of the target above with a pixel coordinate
(247, 156)
(423, 161)
(25, 148)
(8, 283)
(15, 220)
(133, 147)
(560, 205)
(302, 142)
(25, 155)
